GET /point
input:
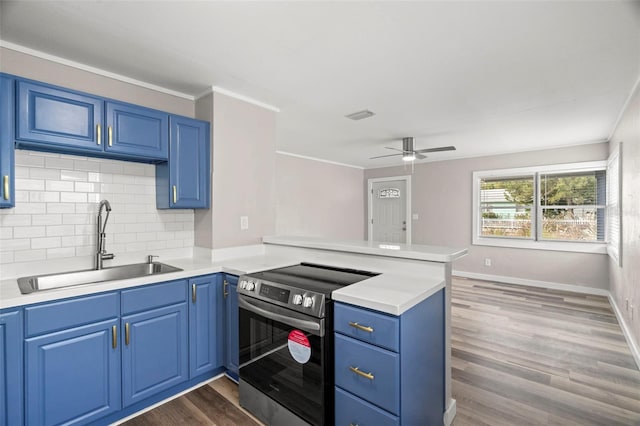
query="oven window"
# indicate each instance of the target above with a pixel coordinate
(266, 363)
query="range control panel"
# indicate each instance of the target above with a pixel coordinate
(307, 302)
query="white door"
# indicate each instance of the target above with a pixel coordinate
(388, 202)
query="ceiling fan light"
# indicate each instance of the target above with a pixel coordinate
(409, 156)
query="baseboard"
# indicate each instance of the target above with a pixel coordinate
(450, 413)
(533, 283)
(626, 331)
(633, 345)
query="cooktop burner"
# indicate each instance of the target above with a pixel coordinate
(305, 287)
(317, 278)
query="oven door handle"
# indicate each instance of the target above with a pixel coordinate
(304, 325)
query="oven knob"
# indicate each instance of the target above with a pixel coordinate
(307, 302)
(243, 284)
(251, 286)
(297, 299)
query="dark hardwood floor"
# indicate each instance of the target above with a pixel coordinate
(530, 356)
(520, 356)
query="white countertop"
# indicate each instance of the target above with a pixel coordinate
(404, 251)
(406, 277)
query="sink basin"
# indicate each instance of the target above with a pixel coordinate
(46, 282)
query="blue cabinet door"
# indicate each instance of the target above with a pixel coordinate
(136, 132)
(205, 325)
(184, 182)
(11, 368)
(232, 359)
(7, 162)
(72, 376)
(50, 117)
(154, 351)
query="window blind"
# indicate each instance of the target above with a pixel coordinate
(614, 223)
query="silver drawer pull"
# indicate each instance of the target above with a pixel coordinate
(361, 327)
(361, 373)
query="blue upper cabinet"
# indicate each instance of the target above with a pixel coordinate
(51, 118)
(7, 177)
(11, 368)
(136, 131)
(184, 181)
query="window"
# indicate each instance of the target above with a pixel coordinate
(613, 206)
(560, 207)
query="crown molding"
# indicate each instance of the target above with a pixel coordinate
(290, 154)
(231, 94)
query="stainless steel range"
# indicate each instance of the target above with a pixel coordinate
(286, 349)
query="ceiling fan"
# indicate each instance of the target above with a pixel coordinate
(410, 154)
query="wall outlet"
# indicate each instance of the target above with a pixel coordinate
(487, 261)
(414, 216)
(244, 222)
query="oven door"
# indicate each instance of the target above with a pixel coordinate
(285, 356)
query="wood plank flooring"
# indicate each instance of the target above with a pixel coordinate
(530, 356)
(520, 356)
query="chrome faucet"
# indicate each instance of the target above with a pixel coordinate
(101, 253)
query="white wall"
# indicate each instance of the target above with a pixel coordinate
(318, 199)
(243, 182)
(625, 280)
(442, 198)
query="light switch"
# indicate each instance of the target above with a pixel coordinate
(414, 216)
(244, 222)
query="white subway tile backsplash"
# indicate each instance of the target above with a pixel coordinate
(60, 208)
(58, 185)
(44, 197)
(65, 163)
(60, 230)
(29, 231)
(29, 255)
(57, 200)
(74, 175)
(12, 219)
(30, 184)
(24, 159)
(46, 242)
(46, 219)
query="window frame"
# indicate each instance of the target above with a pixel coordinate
(534, 242)
(614, 207)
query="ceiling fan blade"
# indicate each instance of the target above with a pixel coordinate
(419, 156)
(381, 156)
(395, 149)
(438, 149)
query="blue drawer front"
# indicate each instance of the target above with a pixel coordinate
(153, 296)
(385, 328)
(69, 313)
(351, 410)
(384, 365)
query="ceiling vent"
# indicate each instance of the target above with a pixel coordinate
(360, 115)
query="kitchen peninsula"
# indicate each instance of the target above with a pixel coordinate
(407, 276)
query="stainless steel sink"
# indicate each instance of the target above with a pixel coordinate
(46, 282)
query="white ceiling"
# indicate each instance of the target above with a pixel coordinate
(487, 77)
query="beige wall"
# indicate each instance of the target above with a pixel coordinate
(318, 199)
(625, 280)
(243, 182)
(27, 66)
(442, 198)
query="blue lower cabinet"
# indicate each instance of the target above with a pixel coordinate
(351, 410)
(206, 322)
(72, 376)
(401, 386)
(232, 344)
(11, 368)
(368, 371)
(154, 352)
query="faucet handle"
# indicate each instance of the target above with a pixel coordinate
(150, 258)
